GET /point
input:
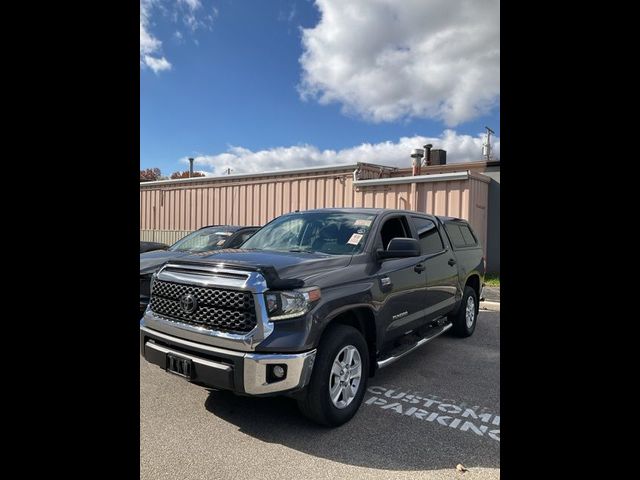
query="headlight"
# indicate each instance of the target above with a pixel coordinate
(291, 303)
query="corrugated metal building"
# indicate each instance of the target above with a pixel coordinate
(170, 209)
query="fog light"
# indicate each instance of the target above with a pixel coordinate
(278, 371)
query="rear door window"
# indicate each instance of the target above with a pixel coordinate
(428, 235)
(468, 236)
(460, 235)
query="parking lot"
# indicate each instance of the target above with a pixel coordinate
(430, 411)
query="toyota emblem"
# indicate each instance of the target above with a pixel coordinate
(188, 303)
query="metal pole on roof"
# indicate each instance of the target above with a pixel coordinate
(486, 148)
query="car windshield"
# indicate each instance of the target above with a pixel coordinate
(202, 240)
(318, 232)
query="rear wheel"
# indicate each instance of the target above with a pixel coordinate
(339, 377)
(465, 319)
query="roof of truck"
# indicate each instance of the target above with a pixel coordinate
(370, 211)
(377, 211)
(229, 228)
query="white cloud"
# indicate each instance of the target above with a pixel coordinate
(460, 148)
(387, 59)
(157, 64)
(196, 16)
(150, 46)
(192, 4)
(191, 12)
(190, 18)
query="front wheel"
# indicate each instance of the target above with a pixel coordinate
(464, 320)
(339, 377)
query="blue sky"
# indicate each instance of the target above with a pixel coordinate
(240, 85)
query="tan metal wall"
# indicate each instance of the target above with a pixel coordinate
(189, 206)
(176, 208)
(168, 237)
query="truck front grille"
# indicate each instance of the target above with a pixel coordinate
(216, 308)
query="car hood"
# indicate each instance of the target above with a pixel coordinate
(288, 265)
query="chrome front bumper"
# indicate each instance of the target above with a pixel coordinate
(216, 367)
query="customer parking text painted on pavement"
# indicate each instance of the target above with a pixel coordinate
(445, 412)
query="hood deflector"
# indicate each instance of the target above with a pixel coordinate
(268, 272)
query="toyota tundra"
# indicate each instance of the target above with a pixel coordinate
(314, 303)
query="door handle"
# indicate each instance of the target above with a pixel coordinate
(419, 268)
(451, 262)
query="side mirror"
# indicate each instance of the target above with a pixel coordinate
(400, 248)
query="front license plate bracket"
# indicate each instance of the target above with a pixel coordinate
(178, 365)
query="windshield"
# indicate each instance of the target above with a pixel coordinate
(202, 240)
(331, 233)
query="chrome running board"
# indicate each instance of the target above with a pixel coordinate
(400, 352)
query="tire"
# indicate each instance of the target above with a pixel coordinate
(461, 327)
(315, 402)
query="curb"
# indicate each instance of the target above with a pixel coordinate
(491, 306)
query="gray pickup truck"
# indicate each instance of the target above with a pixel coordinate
(314, 303)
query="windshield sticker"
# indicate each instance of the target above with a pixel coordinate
(355, 239)
(220, 242)
(226, 234)
(362, 222)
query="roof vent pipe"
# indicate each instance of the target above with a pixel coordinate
(416, 162)
(427, 156)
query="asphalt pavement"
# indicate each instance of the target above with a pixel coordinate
(434, 409)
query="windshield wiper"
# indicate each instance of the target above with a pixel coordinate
(300, 250)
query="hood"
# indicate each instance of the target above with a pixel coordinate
(288, 265)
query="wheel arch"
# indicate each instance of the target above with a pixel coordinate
(363, 319)
(473, 281)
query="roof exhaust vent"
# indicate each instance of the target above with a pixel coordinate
(438, 157)
(427, 149)
(486, 145)
(416, 156)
